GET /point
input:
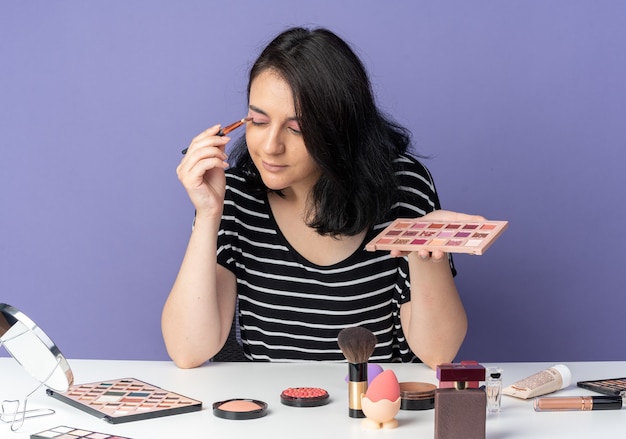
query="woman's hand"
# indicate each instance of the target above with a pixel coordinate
(440, 215)
(201, 171)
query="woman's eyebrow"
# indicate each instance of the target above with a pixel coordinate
(258, 110)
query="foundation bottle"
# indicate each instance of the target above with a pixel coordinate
(460, 405)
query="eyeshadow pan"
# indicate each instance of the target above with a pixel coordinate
(449, 236)
(436, 226)
(438, 242)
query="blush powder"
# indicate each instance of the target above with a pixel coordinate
(304, 396)
(240, 409)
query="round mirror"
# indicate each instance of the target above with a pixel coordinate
(32, 348)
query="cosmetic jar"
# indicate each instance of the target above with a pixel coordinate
(417, 396)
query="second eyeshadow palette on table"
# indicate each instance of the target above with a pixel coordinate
(448, 236)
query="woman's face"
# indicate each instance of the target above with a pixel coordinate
(274, 139)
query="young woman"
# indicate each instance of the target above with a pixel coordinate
(282, 233)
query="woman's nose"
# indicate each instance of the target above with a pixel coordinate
(273, 142)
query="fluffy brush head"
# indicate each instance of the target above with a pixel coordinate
(357, 344)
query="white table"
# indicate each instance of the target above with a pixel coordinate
(265, 381)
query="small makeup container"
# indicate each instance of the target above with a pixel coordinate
(304, 397)
(240, 409)
(493, 388)
(460, 405)
(417, 396)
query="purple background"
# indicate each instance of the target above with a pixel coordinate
(520, 104)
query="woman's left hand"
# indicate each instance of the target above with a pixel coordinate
(439, 215)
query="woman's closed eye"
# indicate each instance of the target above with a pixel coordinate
(295, 130)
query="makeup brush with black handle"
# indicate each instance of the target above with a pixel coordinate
(357, 345)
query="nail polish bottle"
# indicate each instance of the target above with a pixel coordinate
(460, 405)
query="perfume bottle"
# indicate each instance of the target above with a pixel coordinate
(460, 405)
(493, 388)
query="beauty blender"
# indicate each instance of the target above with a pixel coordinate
(384, 386)
(381, 402)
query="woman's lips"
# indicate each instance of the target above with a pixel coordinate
(273, 167)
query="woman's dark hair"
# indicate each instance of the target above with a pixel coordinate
(345, 133)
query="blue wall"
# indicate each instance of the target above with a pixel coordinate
(520, 104)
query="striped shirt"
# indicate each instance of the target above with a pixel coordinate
(291, 309)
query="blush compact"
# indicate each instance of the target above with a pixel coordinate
(240, 409)
(304, 397)
(417, 396)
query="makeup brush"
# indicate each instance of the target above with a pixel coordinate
(227, 129)
(357, 345)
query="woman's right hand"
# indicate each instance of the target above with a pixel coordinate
(201, 171)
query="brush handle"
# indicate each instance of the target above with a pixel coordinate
(220, 133)
(357, 386)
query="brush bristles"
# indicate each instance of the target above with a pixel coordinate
(357, 344)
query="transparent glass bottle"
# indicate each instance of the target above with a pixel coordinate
(493, 388)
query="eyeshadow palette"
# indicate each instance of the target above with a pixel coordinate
(63, 432)
(124, 400)
(448, 236)
(612, 386)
